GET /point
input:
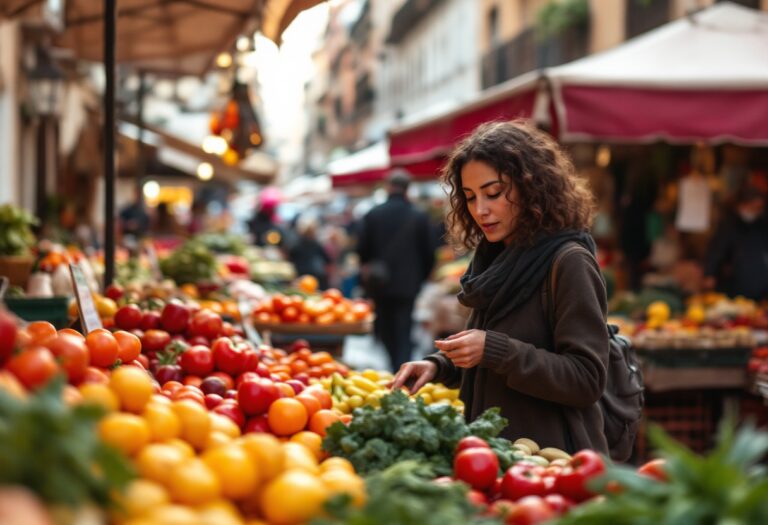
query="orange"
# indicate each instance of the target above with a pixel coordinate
(193, 483)
(285, 389)
(102, 346)
(128, 346)
(337, 463)
(338, 481)
(310, 402)
(237, 473)
(41, 332)
(126, 432)
(287, 416)
(308, 284)
(132, 386)
(321, 420)
(141, 496)
(195, 423)
(299, 457)
(310, 440)
(163, 422)
(266, 451)
(293, 497)
(156, 461)
(99, 394)
(322, 395)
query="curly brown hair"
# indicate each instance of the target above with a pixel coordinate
(555, 198)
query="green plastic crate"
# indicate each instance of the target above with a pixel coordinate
(52, 309)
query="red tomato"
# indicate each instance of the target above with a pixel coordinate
(72, 354)
(476, 466)
(197, 360)
(128, 346)
(471, 442)
(155, 340)
(206, 324)
(229, 383)
(656, 469)
(530, 510)
(150, 321)
(102, 347)
(34, 366)
(523, 479)
(560, 504)
(279, 302)
(174, 318)
(95, 375)
(572, 481)
(477, 498)
(255, 397)
(231, 409)
(7, 334)
(114, 291)
(258, 424)
(290, 314)
(128, 317)
(212, 401)
(228, 357)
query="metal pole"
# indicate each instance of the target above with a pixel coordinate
(110, 22)
(141, 162)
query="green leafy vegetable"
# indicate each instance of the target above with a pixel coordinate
(16, 237)
(54, 450)
(404, 495)
(193, 262)
(410, 430)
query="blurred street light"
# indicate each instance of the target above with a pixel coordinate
(205, 171)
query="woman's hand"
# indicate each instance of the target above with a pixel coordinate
(418, 372)
(465, 349)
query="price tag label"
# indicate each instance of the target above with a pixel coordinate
(89, 316)
(154, 263)
(246, 309)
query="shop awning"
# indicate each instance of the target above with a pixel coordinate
(422, 147)
(183, 155)
(165, 36)
(367, 166)
(700, 78)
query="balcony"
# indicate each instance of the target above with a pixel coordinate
(408, 17)
(526, 52)
(644, 15)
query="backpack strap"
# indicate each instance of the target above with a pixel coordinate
(550, 284)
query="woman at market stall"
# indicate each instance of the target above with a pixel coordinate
(517, 201)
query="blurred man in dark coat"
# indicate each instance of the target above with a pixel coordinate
(737, 262)
(396, 255)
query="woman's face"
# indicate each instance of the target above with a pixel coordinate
(488, 200)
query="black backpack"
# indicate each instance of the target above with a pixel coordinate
(622, 400)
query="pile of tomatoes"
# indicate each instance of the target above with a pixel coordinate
(330, 307)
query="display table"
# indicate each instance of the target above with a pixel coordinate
(329, 337)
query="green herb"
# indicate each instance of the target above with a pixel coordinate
(54, 449)
(16, 237)
(725, 487)
(222, 242)
(405, 495)
(193, 262)
(410, 430)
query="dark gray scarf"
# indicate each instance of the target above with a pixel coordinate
(501, 278)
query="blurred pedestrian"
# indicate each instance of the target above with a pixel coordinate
(166, 231)
(134, 219)
(263, 226)
(737, 261)
(307, 254)
(396, 257)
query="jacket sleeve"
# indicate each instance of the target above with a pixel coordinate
(447, 373)
(575, 373)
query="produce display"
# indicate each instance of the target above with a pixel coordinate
(170, 416)
(324, 309)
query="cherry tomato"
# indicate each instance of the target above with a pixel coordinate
(255, 397)
(128, 317)
(34, 366)
(206, 324)
(72, 355)
(572, 481)
(174, 318)
(197, 360)
(476, 466)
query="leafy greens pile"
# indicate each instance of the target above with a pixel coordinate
(55, 451)
(404, 430)
(404, 494)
